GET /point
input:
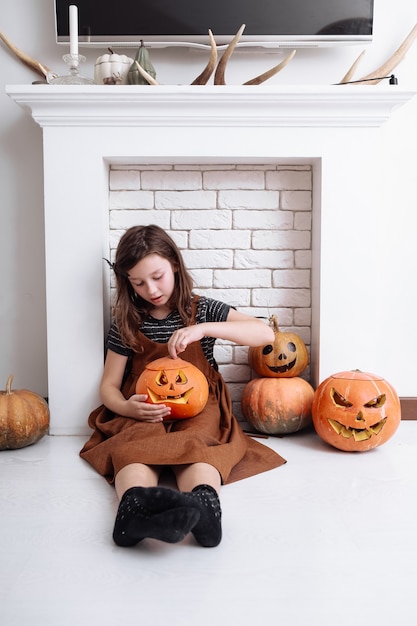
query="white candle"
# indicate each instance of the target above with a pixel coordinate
(73, 28)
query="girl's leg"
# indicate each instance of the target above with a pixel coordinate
(136, 475)
(202, 482)
(147, 510)
(190, 476)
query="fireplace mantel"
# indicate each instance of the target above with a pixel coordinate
(335, 129)
(277, 106)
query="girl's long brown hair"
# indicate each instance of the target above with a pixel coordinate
(130, 309)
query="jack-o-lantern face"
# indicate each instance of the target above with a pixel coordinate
(285, 358)
(355, 411)
(175, 383)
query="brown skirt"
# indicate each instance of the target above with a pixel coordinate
(214, 436)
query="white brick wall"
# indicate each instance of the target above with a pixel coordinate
(245, 233)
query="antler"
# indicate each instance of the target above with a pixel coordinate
(221, 67)
(41, 69)
(274, 70)
(209, 69)
(219, 77)
(349, 74)
(386, 68)
(151, 80)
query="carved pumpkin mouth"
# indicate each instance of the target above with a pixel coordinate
(359, 434)
(178, 399)
(280, 369)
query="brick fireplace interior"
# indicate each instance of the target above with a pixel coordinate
(245, 234)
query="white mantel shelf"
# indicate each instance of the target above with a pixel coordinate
(188, 106)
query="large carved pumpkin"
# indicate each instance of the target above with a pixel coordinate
(285, 358)
(175, 383)
(355, 411)
(24, 417)
(277, 406)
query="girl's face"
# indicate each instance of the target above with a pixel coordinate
(153, 279)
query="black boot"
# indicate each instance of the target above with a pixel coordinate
(208, 530)
(154, 512)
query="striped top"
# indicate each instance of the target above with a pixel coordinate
(208, 310)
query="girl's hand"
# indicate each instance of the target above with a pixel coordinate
(139, 409)
(182, 338)
(136, 406)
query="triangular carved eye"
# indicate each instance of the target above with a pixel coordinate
(339, 399)
(376, 403)
(181, 378)
(161, 379)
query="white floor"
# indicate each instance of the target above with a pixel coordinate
(330, 538)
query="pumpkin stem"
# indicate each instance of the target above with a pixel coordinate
(9, 385)
(273, 320)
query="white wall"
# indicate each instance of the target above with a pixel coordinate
(30, 25)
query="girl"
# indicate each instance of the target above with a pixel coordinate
(155, 315)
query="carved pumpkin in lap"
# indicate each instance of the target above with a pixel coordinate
(175, 383)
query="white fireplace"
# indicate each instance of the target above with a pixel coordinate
(86, 129)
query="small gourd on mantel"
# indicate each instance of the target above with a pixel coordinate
(112, 69)
(142, 62)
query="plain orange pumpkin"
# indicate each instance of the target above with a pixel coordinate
(24, 417)
(176, 383)
(355, 411)
(277, 406)
(286, 357)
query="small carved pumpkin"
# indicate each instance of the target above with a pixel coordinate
(277, 406)
(355, 411)
(284, 358)
(175, 383)
(24, 417)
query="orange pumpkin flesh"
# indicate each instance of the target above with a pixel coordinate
(175, 383)
(285, 358)
(24, 417)
(355, 411)
(277, 406)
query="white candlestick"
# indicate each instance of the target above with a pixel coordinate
(73, 28)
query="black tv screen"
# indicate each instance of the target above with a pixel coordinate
(270, 23)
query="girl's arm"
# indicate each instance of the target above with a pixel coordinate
(239, 328)
(113, 399)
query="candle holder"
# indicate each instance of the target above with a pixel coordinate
(73, 78)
